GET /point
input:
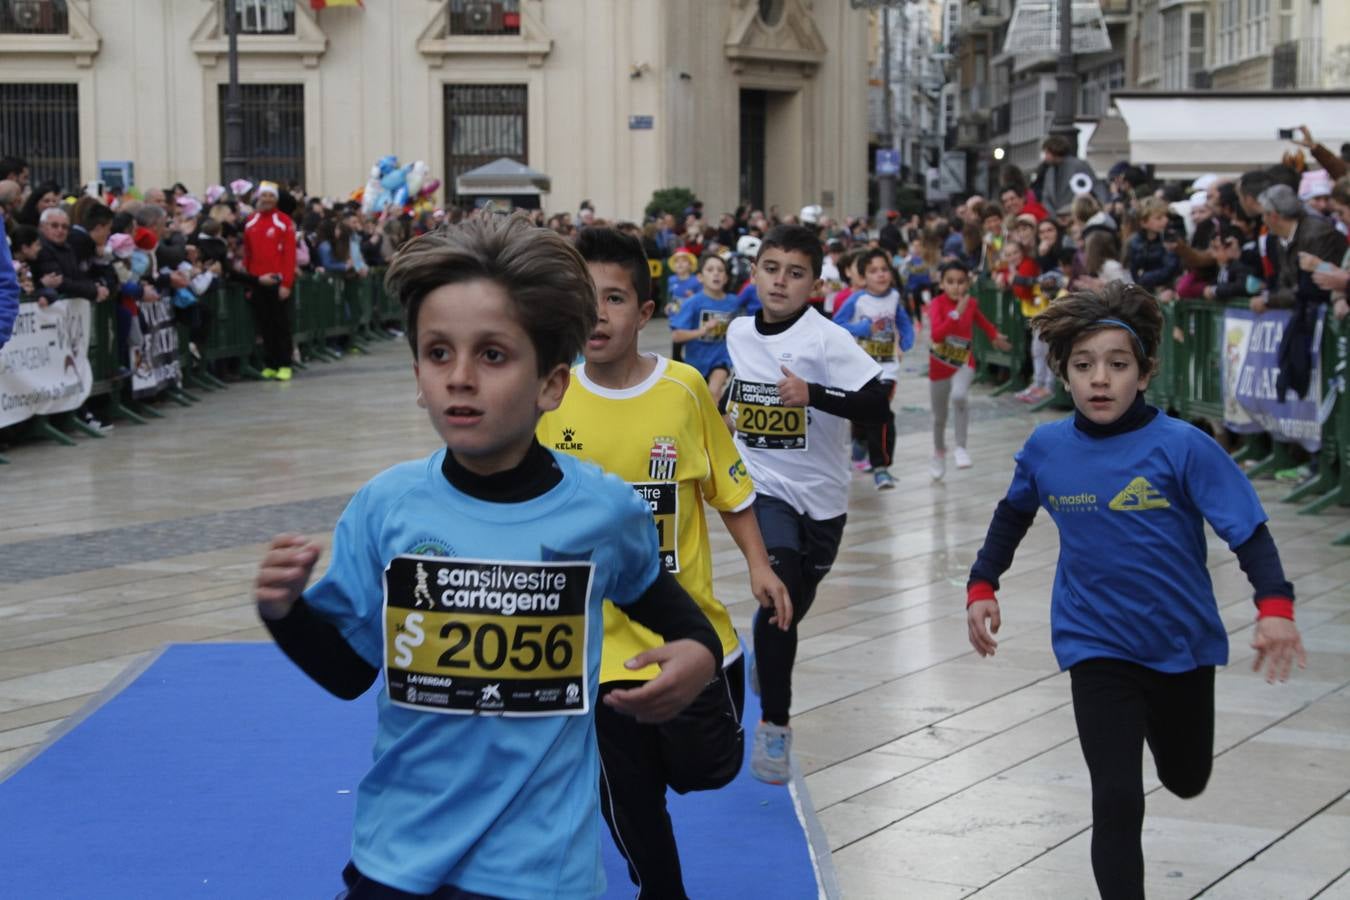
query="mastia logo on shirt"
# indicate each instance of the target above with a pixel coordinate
(567, 443)
(1073, 502)
(1139, 495)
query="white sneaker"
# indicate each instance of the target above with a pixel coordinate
(938, 467)
(770, 760)
(963, 458)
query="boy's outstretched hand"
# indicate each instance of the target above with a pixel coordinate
(982, 623)
(686, 668)
(1277, 644)
(283, 574)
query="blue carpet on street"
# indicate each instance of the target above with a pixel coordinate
(222, 771)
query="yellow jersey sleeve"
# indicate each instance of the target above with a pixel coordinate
(727, 487)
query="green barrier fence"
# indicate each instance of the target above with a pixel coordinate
(1188, 381)
(1005, 312)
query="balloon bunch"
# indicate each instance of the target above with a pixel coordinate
(393, 185)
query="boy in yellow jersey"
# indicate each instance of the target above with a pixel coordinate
(652, 422)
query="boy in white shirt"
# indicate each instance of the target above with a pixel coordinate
(799, 379)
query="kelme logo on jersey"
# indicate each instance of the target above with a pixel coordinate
(1068, 503)
(1139, 495)
(569, 441)
(664, 456)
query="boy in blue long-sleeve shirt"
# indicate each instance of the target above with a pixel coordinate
(9, 289)
(877, 318)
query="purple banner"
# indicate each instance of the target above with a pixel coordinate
(1251, 350)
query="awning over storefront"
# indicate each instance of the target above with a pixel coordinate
(1186, 134)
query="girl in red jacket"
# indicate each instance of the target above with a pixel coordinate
(951, 367)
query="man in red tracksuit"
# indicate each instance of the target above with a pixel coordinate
(269, 256)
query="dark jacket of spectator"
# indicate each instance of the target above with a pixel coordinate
(1313, 235)
(1151, 265)
(61, 258)
(1231, 281)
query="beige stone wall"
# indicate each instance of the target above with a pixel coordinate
(1252, 74)
(148, 93)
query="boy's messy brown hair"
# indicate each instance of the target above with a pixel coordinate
(540, 270)
(1071, 317)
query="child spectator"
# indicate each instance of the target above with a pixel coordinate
(1021, 275)
(1049, 245)
(27, 247)
(496, 312)
(951, 366)
(877, 319)
(701, 324)
(1152, 265)
(680, 286)
(1234, 280)
(674, 449)
(848, 266)
(923, 261)
(1023, 230)
(1139, 633)
(1101, 262)
(797, 460)
(991, 220)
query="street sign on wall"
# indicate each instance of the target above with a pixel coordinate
(952, 172)
(888, 162)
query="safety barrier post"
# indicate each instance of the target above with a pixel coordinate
(1162, 386)
(354, 312)
(232, 333)
(317, 316)
(1003, 310)
(1330, 483)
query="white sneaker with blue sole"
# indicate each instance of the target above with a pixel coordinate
(770, 761)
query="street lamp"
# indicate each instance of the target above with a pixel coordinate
(1066, 83)
(886, 181)
(232, 166)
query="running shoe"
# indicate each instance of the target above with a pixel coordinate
(963, 458)
(1296, 474)
(860, 457)
(883, 480)
(769, 761)
(93, 421)
(269, 373)
(284, 373)
(938, 467)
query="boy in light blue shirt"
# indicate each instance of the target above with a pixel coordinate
(473, 581)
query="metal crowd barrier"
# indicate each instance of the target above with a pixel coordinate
(1189, 384)
(324, 309)
(1005, 312)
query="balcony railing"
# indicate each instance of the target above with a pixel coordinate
(1297, 65)
(975, 99)
(985, 14)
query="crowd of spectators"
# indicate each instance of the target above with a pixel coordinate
(1275, 236)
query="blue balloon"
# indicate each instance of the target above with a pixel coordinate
(401, 195)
